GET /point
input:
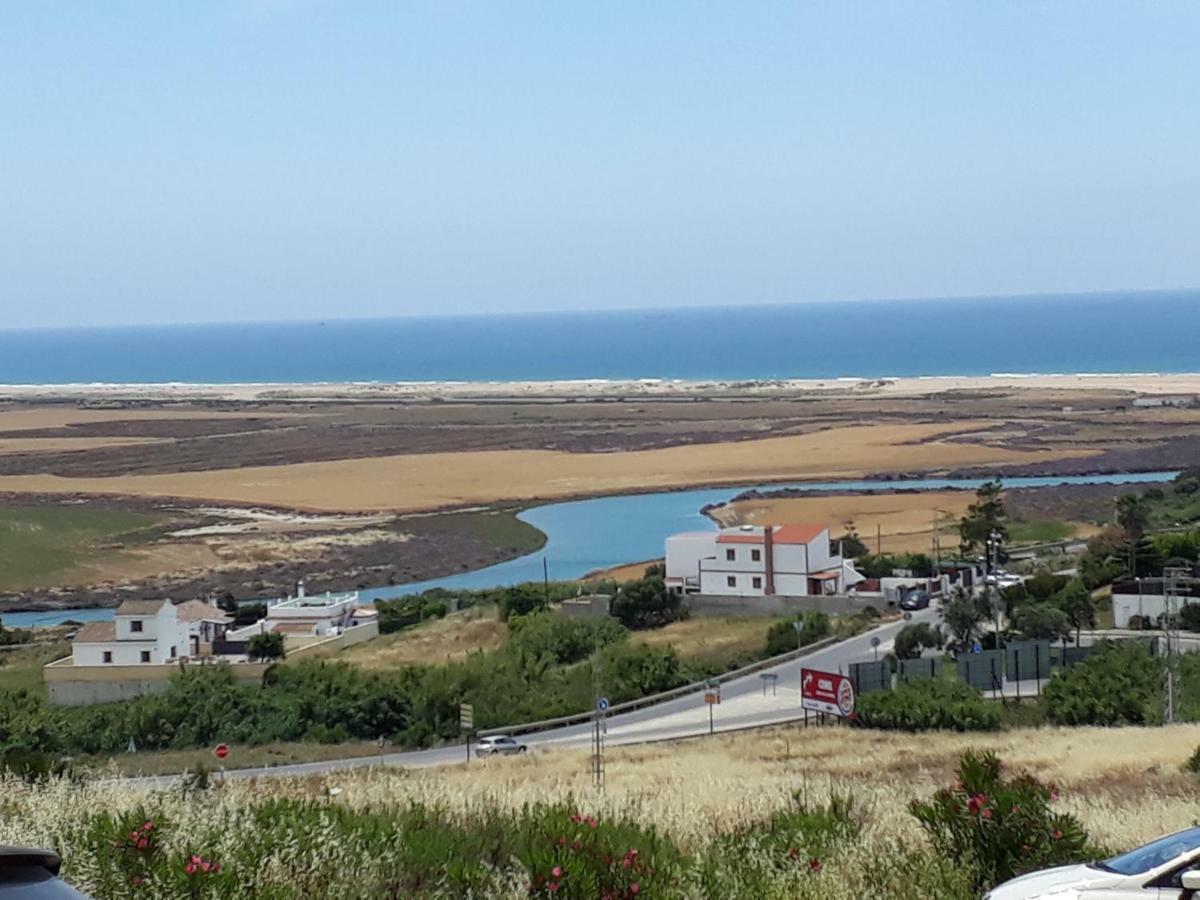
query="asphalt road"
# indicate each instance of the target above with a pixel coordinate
(744, 704)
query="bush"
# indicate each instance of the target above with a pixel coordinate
(545, 635)
(783, 637)
(1000, 828)
(913, 639)
(937, 703)
(265, 646)
(521, 600)
(646, 604)
(1119, 684)
(396, 615)
(1189, 616)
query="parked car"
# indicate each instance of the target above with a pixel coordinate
(33, 875)
(916, 599)
(500, 744)
(1166, 868)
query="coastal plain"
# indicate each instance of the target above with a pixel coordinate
(364, 485)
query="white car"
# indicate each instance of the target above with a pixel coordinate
(500, 744)
(1166, 869)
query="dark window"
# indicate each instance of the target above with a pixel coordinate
(172, 652)
(731, 580)
(135, 625)
(756, 555)
(731, 554)
(757, 582)
(145, 656)
(108, 656)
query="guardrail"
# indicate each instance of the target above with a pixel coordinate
(651, 699)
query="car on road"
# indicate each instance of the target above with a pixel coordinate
(33, 875)
(499, 745)
(1166, 868)
(917, 599)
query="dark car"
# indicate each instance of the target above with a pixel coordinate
(917, 599)
(33, 875)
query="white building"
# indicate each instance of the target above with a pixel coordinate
(205, 622)
(1145, 599)
(305, 615)
(752, 561)
(142, 632)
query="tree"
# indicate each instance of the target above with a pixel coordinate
(521, 600)
(1075, 600)
(1133, 516)
(266, 646)
(986, 515)
(646, 604)
(1144, 559)
(963, 613)
(913, 639)
(1040, 621)
(852, 545)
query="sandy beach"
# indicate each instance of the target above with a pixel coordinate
(1142, 383)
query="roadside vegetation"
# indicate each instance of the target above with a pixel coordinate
(828, 813)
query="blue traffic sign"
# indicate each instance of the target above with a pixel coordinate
(602, 704)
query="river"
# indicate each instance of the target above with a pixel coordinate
(586, 535)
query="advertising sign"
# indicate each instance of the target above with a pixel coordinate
(826, 692)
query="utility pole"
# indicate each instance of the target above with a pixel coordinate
(599, 711)
(1174, 579)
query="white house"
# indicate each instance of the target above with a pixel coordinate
(142, 632)
(205, 622)
(304, 615)
(753, 561)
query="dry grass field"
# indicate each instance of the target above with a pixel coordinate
(433, 643)
(711, 638)
(436, 480)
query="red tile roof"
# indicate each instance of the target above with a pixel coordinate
(783, 534)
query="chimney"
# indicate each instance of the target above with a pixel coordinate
(769, 558)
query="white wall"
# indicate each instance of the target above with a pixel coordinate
(1127, 605)
(124, 653)
(684, 552)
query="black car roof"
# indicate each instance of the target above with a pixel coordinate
(26, 856)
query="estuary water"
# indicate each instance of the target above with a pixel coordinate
(586, 535)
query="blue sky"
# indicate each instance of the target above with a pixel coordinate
(258, 159)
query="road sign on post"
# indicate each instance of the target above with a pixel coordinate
(466, 717)
(826, 692)
(221, 751)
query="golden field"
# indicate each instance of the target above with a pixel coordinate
(411, 482)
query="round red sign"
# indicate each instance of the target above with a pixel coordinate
(221, 751)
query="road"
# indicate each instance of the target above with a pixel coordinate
(743, 705)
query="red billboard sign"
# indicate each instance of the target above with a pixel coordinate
(826, 692)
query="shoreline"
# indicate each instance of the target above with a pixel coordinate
(260, 392)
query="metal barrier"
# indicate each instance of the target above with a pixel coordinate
(870, 676)
(920, 669)
(650, 700)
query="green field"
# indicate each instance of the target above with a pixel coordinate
(21, 667)
(1039, 531)
(39, 543)
(500, 528)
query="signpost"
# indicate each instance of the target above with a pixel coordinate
(221, 751)
(769, 678)
(712, 696)
(826, 692)
(466, 723)
(875, 646)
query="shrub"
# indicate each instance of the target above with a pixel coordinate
(521, 600)
(937, 703)
(1189, 616)
(1119, 684)
(396, 615)
(999, 827)
(268, 645)
(1193, 762)
(561, 640)
(646, 604)
(913, 639)
(783, 637)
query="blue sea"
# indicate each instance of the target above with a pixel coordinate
(1080, 333)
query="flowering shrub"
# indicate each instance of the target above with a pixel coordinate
(580, 856)
(999, 827)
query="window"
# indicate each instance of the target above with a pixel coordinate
(730, 554)
(731, 581)
(756, 555)
(145, 656)
(756, 581)
(107, 656)
(172, 651)
(135, 625)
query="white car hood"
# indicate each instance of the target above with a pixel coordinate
(1062, 883)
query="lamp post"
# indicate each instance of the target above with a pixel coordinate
(994, 542)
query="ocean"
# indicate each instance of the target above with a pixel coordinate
(1146, 332)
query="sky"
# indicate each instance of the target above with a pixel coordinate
(281, 159)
